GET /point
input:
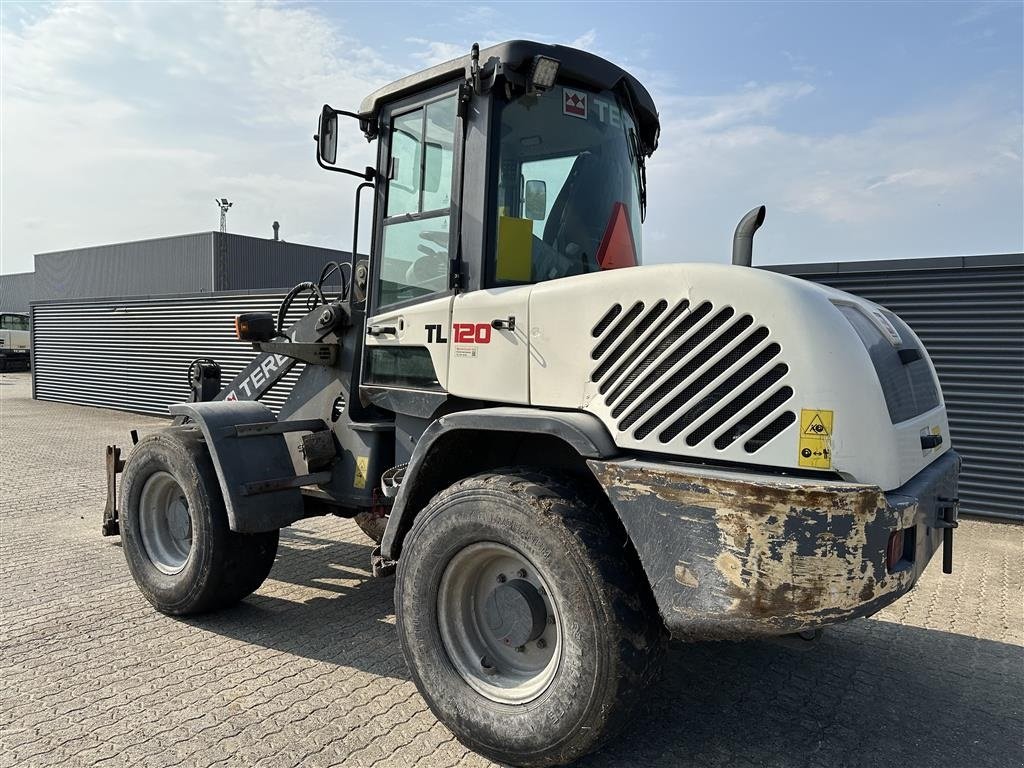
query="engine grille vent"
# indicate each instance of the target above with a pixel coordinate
(617, 330)
(604, 322)
(697, 371)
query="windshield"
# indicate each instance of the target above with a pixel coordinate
(569, 196)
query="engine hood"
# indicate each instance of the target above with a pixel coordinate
(731, 364)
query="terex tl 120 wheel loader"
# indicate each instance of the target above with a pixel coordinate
(565, 455)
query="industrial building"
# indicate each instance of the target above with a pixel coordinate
(116, 326)
(17, 291)
(203, 262)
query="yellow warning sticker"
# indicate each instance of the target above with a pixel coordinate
(815, 438)
(362, 467)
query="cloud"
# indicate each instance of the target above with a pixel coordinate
(586, 41)
(907, 184)
(124, 121)
(977, 12)
(801, 67)
(436, 52)
(752, 102)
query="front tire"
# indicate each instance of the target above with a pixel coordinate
(174, 528)
(526, 626)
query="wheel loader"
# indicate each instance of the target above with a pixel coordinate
(564, 457)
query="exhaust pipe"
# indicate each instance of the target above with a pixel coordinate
(743, 239)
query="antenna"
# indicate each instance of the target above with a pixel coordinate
(223, 203)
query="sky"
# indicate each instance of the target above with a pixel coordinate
(870, 131)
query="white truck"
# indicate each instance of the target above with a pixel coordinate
(15, 344)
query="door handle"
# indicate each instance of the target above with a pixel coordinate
(504, 325)
(381, 330)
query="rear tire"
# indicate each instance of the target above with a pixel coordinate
(174, 528)
(563, 676)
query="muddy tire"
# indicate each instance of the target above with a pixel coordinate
(174, 528)
(524, 619)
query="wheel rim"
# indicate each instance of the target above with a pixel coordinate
(498, 624)
(165, 523)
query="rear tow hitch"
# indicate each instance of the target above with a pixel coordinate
(945, 518)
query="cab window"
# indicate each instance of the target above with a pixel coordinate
(568, 186)
(414, 251)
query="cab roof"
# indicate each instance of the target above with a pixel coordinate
(575, 66)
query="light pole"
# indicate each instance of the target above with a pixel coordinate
(223, 203)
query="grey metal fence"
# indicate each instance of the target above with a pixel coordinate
(133, 354)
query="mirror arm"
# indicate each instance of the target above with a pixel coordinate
(364, 122)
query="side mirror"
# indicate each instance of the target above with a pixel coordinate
(327, 137)
(535, 200)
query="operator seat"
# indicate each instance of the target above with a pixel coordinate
(579, 214)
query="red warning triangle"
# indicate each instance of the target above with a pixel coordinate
(617, 249)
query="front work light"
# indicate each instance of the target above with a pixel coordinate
(255, 326)
(543, 73)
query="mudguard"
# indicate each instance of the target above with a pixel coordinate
(584, 432)
(245, 462)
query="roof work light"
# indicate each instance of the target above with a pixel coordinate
(543, 72)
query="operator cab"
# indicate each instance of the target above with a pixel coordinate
(510, 166)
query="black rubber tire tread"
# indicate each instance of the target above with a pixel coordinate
(223, 567)
(626, 619)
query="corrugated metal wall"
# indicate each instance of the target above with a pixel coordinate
(969, 312)
(184, 264)
(168, 265)
(16, 290)
(133, 354)
(251, 262)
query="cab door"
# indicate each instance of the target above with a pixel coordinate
(408, 329)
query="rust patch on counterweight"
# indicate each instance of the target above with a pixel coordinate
(763, 551)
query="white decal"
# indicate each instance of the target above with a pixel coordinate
(251, 383)
(608, 113)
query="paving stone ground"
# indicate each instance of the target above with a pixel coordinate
(308, 672)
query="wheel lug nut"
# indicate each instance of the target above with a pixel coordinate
(551, 619)
(502, 578)
(542, 643)
(522, 573)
